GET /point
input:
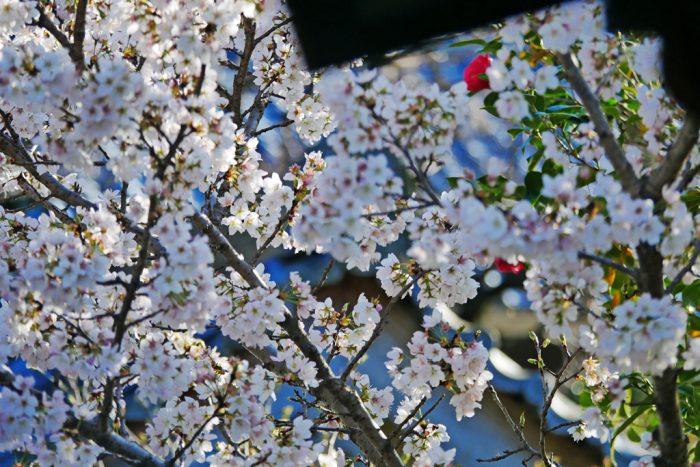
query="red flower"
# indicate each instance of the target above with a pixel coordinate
(504, 266)
(477, 67)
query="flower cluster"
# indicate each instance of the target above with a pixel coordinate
(140, 140)
(593, 425)
(31, 421)
(345, 215)
(642, 335)
(278, 66)
(433, 361)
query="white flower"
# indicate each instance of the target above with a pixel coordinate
(511, 105)
(546, 78)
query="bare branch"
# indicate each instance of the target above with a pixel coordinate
(673, 442)
(282, 124)
(506, 454)
(513, 425)
(397, 431)
(324, 277)
(272, 29)
(398, 210)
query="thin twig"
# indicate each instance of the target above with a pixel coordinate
(686, 269)
(283, 221)
(324, 276)
(380, 326)
(633, 273)
(272, 29)
(282, 124)
(513, 425)
(409, 429)
(665, 173)
(397, 431)
(506, 454)
(398, 210)
(35, 196)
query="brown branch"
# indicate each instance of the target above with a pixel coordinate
(283, 221)
(506, 454)
(673, 443)
(331, 390)
(633, 273)
(18, 154)
(667, 172)
(76, 49)
(180, 452)
(590, 101)
(409, 429)
(272, 29)
(283, 124)
(234, 104)
(559, 381)
(686, 269)
(35, 196)
(525, 446)
(111, 442)
(397, 431)
(370, 215)
(324, 277)
(47, 24)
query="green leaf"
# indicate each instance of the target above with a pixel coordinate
(469, 42)
(633, 435)
(627, 423)
(692, 200)
(691, 294)
(561, 107)
(696, 452)
(492, 47)
(453, 181)
(551, 168)
(490, 99)
(533, 183)
(584, 399)
(515, 131)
